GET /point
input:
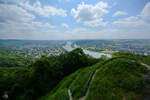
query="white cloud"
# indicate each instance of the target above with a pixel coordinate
(119, 13)
(132, 21)
(29, 31)
(16, 30)
(146, 11)
(77, 30)
(64, 25)
(42, 25)
(90, 15)
(45, 11)
(64, 0)
(20, 28)
(129, 22)
(14, 20)
(85, 33)
(138, 21)
(35, 30)
(9, 1)
(13, 13)
(17, 23)
(110, 34)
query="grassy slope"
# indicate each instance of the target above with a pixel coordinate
(80, 85)
(139, 58)
(119, 78)
(61, 91)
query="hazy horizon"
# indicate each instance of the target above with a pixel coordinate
(76, 39)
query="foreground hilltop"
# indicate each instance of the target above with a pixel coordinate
(76, 76)
(119, 78)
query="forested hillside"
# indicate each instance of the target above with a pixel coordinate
(38, 78)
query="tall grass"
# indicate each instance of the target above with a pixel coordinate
(61, 91)
(81, 84)
(118, 79)
(78, 86)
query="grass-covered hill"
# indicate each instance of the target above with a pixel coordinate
(119, 78)
(77, 76)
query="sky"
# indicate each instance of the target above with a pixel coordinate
(74, 19)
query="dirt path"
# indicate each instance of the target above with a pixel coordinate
(145, 65)
(69, 93)
(147, 97)
(147, 77)
(88, 90)
(84, 97)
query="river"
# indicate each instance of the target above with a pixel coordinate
(68, 46)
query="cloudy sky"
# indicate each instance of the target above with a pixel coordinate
(74, 19)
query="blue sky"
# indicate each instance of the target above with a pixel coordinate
(74, 19)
